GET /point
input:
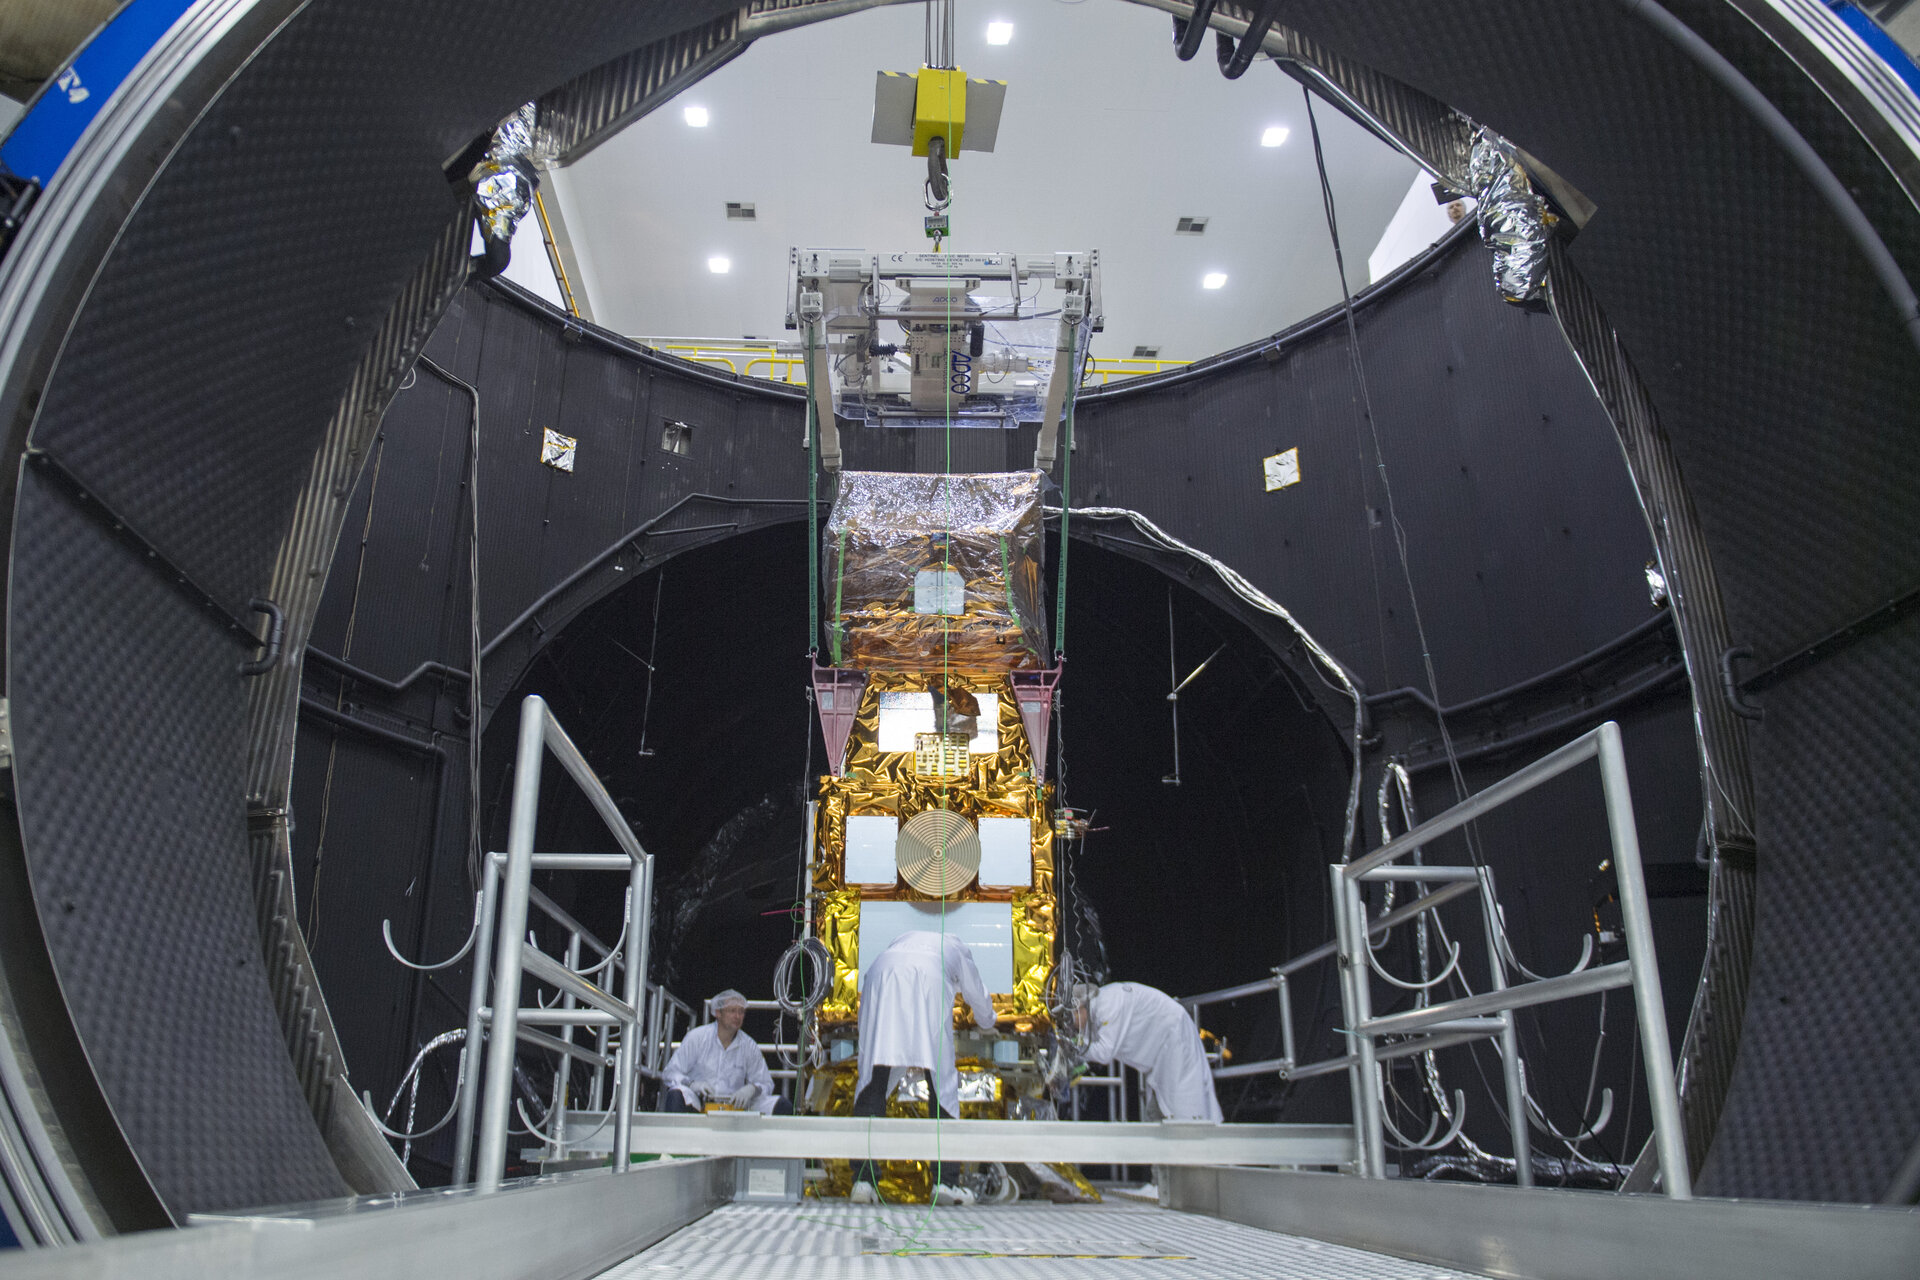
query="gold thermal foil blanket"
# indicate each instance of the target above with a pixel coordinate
(982, 1097)
(999, 785)
(836, 922)
(935, 572)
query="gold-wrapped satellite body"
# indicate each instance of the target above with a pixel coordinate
(934, 621)
(999, 785)
(935, 573)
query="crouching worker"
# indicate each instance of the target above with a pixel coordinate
(906, 1020)
(1152, 1032)
(719, 1062)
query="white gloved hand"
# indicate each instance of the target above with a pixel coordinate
(744, 1096)
(706, 1089)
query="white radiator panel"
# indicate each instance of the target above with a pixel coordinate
(1006, 853)
(986, 928)
(870, 848)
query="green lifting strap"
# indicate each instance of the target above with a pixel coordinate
(1066, 509)
(834, 628)
(813, 524)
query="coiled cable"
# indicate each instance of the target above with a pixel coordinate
(819, 977)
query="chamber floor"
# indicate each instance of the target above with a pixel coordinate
(832, 1240)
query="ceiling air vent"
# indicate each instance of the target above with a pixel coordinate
(1146, 353)
(737, 212)
(1190, 227)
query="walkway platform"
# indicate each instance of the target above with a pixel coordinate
(832, 1240)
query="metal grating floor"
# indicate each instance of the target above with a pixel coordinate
(837, 1241)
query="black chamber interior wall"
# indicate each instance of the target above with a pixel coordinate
(1525, 545)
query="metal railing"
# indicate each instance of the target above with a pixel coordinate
(1107, 368)
(787, 362)
(507, 894)
(1489, 1013)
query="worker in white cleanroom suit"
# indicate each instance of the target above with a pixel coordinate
(906, 1020)
(719, 1062)
(1152, 1032)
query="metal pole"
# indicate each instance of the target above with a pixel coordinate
(1375, 1150)
(1509, 1038)
(1663, 1100)
(639, 926)
(563, 1078)
(1286, 1020)
(596, 1096)
(1349, 1014)
(498, 1098)
(473, 1053)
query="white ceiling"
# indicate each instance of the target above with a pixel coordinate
(1106, 140)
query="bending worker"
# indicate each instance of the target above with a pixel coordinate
(1152, 1032)
(906, 1020)
(719, 1062)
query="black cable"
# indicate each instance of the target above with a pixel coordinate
(1380, 464)
(1458, 778)
(653, 656)
(474, 701)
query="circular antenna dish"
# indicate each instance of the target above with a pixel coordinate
(938, 852)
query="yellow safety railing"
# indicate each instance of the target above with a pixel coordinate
(767, 361)
(1106, 369)
(793, 369)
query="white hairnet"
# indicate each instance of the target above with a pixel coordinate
(726, 999)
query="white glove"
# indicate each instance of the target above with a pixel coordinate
(706, 1089)
(743, 1096)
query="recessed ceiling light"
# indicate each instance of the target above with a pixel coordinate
(1274, 136)
(999, 32)
(697, 117)
(1211, 280)
(720, 266)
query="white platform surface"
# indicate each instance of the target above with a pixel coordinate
(832, 1240)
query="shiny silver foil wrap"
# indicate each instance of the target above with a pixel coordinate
(1514, 220)
(505, 186)
(935, 573)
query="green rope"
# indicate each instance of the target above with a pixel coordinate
(836, 630)
(1006, 576)
(1066, 509)
(813, 519)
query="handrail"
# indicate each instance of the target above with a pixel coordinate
(1490, 1012)
(788, 363)
(1527, 994)
(1108, 368)
(541, 733)
(1326, 950)
(774, 362)
(1552, 765)
(540, 965)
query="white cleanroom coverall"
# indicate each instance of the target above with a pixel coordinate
(701, 1063)
(1152, 1032)
(906, 1009)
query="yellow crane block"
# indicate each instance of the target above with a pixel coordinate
(939, 108)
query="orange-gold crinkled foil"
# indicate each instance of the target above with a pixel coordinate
(901, 1181)
(888, 530)
(836, 922)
